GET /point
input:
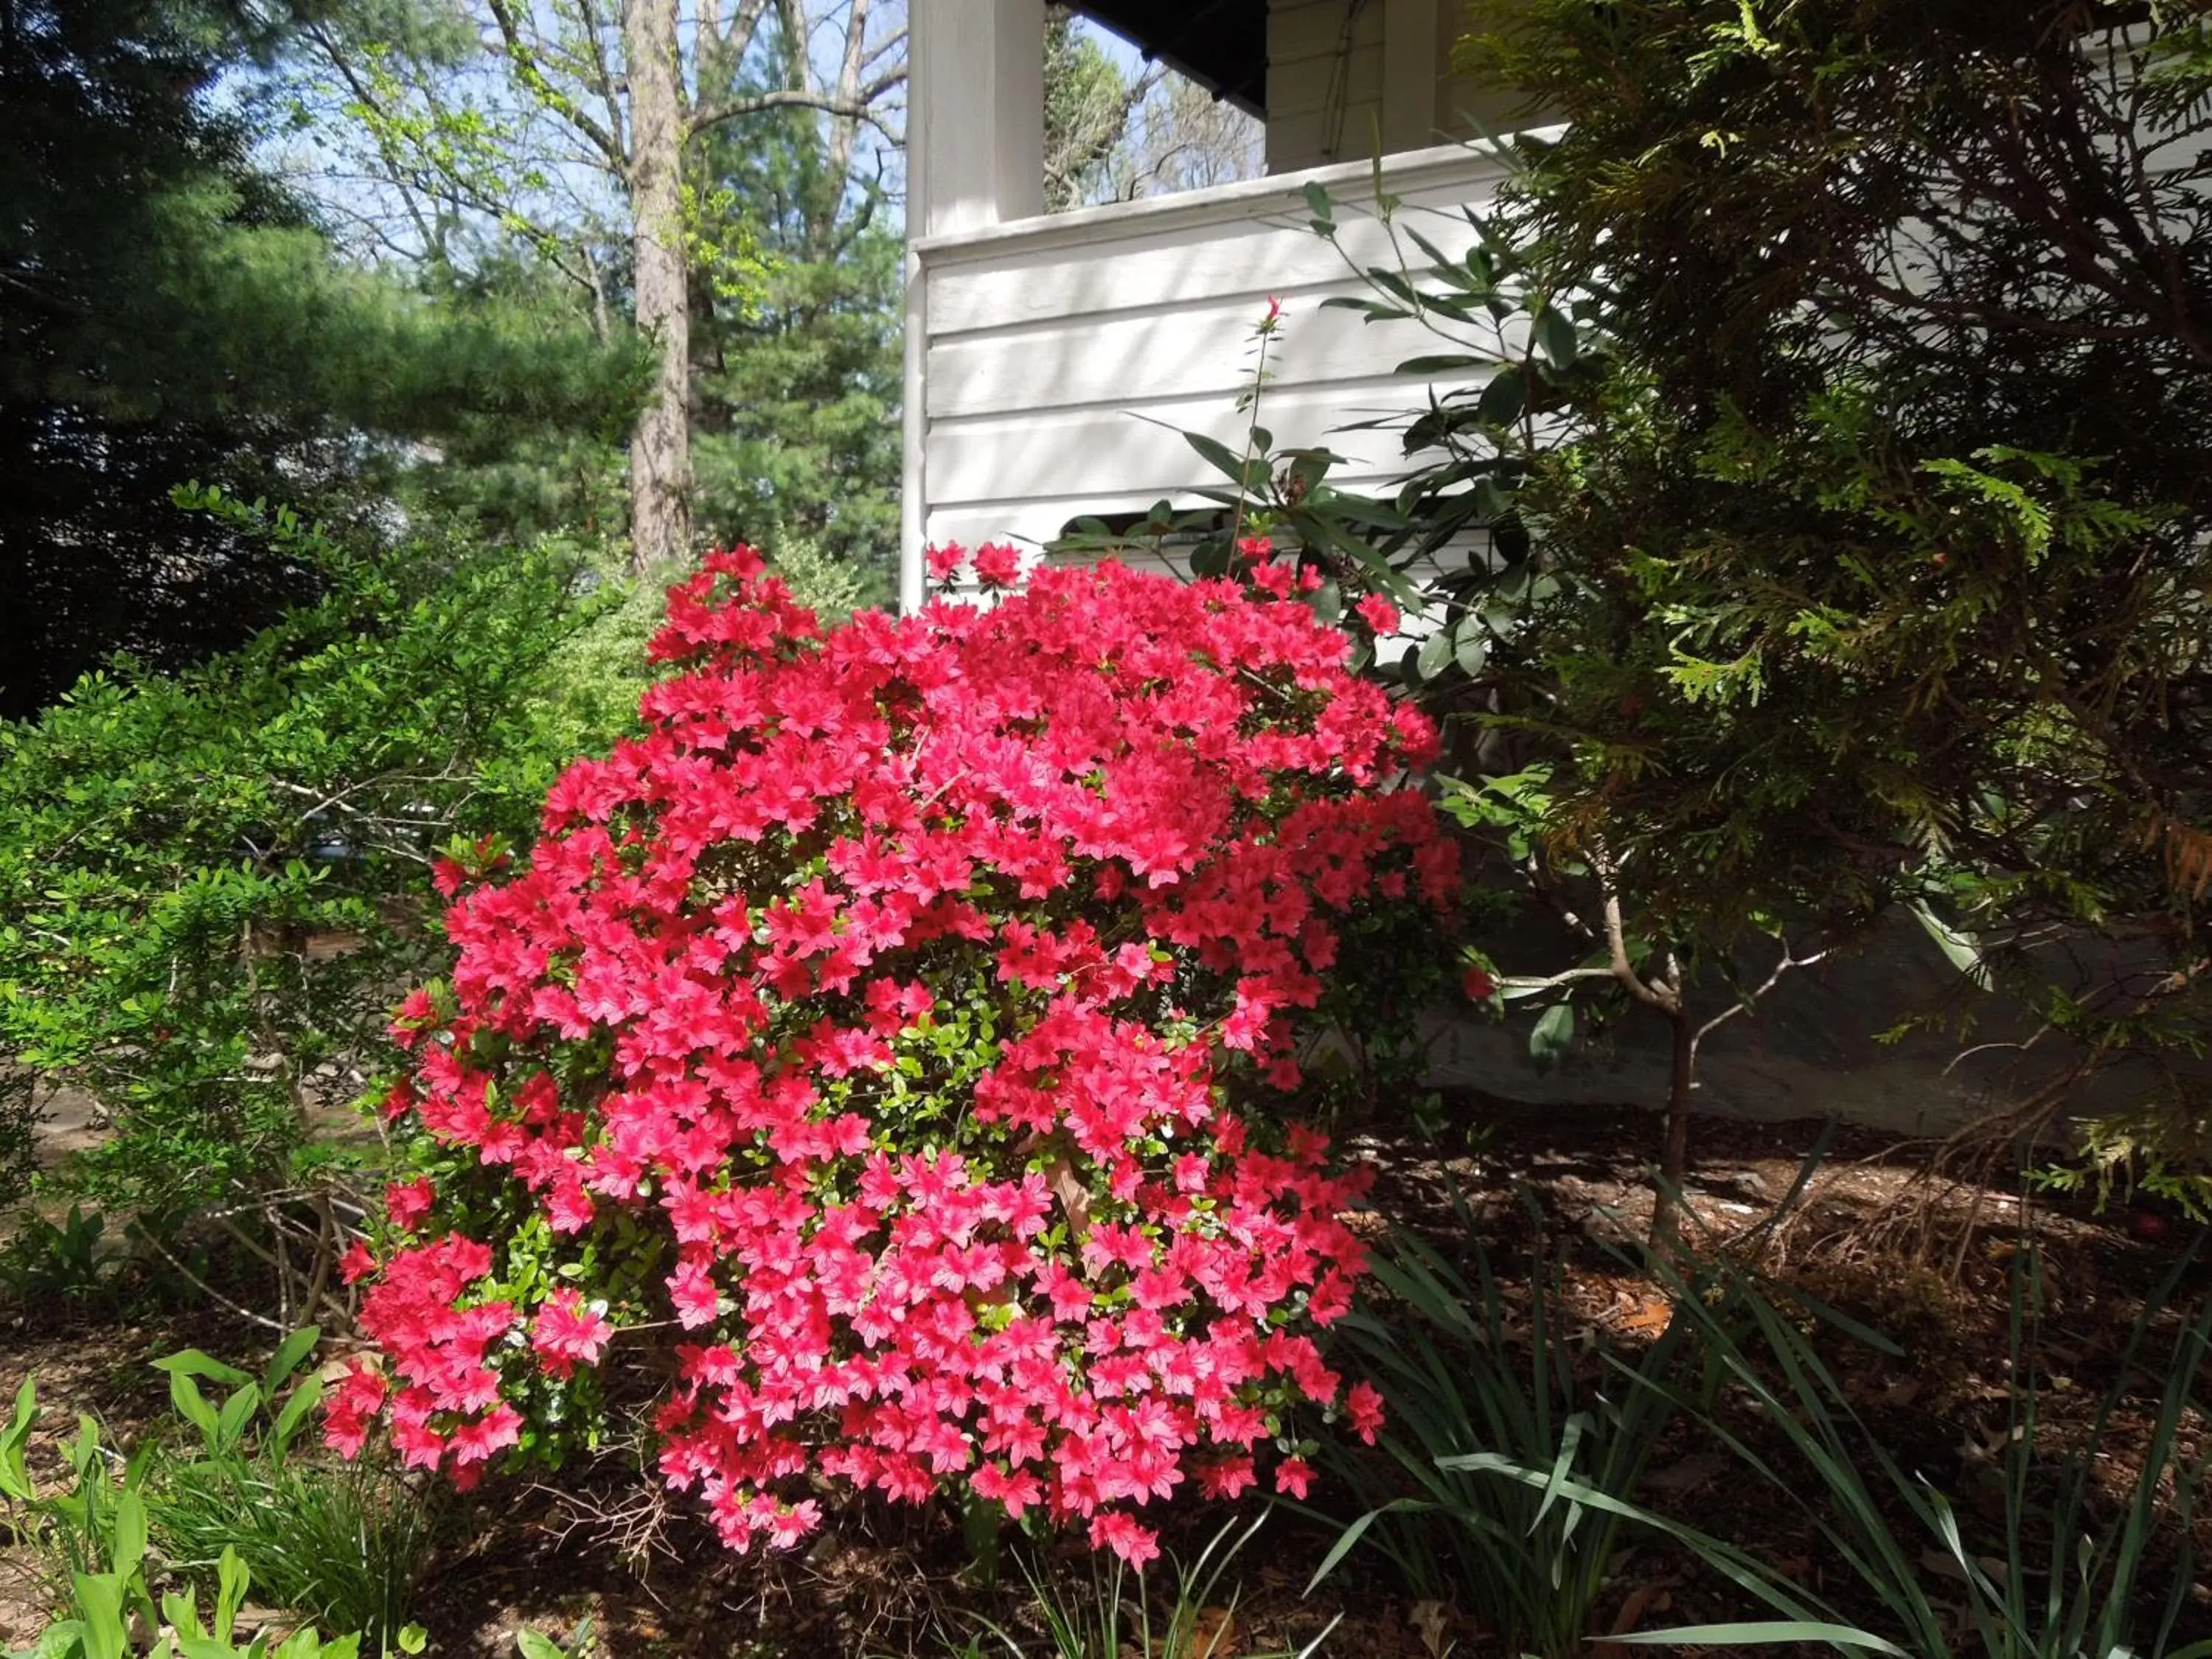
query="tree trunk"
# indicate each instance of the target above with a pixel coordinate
(1674, 1151)
(660, 447)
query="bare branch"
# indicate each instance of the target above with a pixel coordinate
(1745, 1004)
(787, 98)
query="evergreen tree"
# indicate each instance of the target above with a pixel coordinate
(1881, 559)
(170, 312)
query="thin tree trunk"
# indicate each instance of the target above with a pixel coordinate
(660, 447)
(1674, 1150)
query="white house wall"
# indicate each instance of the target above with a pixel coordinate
(1062, 358)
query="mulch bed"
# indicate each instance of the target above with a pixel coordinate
(1931, 1269)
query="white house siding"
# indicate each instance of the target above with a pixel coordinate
(1062, 358)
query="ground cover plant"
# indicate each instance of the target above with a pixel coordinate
(893, 1048)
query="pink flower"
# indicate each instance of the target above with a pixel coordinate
(1378, 613)
(694, 1294)
(1114, 1530)
(407, 1202)
(1478, 985)
(357, 1263)
(1363, 1406)
(901, 991)
(1294, 1476)
(1015, 1492)
(944, 562)
(997, 565)
(566, 1331)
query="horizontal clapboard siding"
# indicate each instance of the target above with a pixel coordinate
(1064, 357)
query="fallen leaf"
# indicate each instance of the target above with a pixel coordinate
(1074, 1198)
(1649, 1317)
(1430, 1618)
(1688, 1475)
(1211, 1633)
(1644, 1598)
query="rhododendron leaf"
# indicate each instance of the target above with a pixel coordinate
(1553, 1035)
(1436, 654)
(1216, 454)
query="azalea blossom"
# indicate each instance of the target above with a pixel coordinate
(921, 998)
(1378, 613)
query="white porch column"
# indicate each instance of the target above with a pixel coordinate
(974, 114)
(975, 157)
(1410, 53)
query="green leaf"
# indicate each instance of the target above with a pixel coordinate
(191, 1362)
(99, 1599)
(1219, 456)
(302, 1400)
(1504, 398)
(1553, 1034)
(1962, 949)
(14, 1474)
(232, 1581)
(536, 1646)
(1436, 654)
(237, 1412)
(128, 1552)
(1762, 1632)
(185, 1394)
(286, 1360)
(1471, 646)
(1444, 362)
(1555, 336)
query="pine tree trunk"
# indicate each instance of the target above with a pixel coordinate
(660, 447)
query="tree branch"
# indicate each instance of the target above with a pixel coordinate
(760, 103)
(535, 82)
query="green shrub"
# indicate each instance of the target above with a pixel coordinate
(45, 1262)
(214, 884)
(346, 1544)
(229, 1498)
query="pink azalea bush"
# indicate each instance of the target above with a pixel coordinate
(880, 1052)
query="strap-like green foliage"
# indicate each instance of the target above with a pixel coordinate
(119, 1532)
(2057, 1575)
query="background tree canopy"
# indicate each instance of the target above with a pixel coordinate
(169, 310)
